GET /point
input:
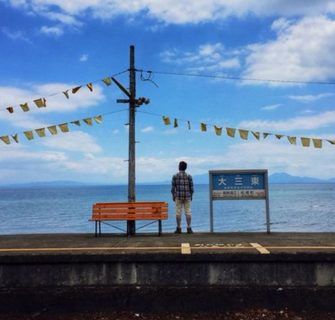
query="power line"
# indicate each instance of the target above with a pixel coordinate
(235, 78)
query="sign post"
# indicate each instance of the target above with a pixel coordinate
(239, 185)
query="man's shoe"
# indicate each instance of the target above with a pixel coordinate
(178, 231)
(189, 230)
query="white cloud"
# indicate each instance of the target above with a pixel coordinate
(206, 58)
(271, 107)
(175, 11)
(15, 34)
(83, 57)
(147, 129)
(311, 98)
(302, 51)
(76, 141)
(321, 120)
(52, 31)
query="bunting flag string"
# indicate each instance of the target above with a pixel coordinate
(42, 102)
(53, 129)
(244, 133)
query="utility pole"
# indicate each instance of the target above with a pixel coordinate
(131, 227)
(133, 104)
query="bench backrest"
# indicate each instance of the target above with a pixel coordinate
(130, 211)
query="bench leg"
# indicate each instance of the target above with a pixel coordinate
(159, 227)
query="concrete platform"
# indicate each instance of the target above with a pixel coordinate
(219, 271)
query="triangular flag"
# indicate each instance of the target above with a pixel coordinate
(76, 122)
(76, 89)
(266, 134)
(218, 130)
(29, 135)
(231, 132)
(279, 136)
(40, 132)
(41, 103)
(203, 127)
(306, 142)
(292, 140)
(15, 137)
(66, 94)
(256, 134)
(317, 143)
(331, 141)
(189, 125)
(24, 107)
(107, 81)
(5, 139)
(88, 121)
(98, 119)
(175, 123)
(10, 109)
(53, 130)
(90, 86)
(64, 127)
(166, 120)
(243, 134)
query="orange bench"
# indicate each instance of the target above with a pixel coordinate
(129, 211)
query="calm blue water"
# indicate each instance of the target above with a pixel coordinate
(57, 210)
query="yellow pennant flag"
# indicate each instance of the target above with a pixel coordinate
(331, 141)
(88, 121)
(189, 125)
(203, 127)
(279, 136)
(166, 120)
(292, 140)
(64, 127)
(317, 143)
(76, 122)
(10, 109)
(107, 81)
(306, 142)
(218, 130)
(256, 134)
(243, 134)
(76, 89)
(53, 130)
(29, 135)
(15, 137)
(266, 134)
(24, 107)
(98, 119)
(66, 94)
(231, 132)
(41, 103)
(90, 86)
(5, 139)
(175, 123)
(40, 132)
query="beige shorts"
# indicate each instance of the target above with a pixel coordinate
(180, 204)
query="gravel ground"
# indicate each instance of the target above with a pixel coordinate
(243, 315)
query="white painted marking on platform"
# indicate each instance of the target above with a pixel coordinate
(259, 248)
(185, 248)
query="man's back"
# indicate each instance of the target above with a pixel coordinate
(182, 186)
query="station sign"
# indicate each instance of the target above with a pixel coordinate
(239, 185)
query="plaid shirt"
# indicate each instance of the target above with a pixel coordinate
(182, 186)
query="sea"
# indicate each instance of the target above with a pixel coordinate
(293, 207)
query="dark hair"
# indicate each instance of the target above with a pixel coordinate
(182, 166)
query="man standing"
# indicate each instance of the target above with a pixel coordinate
(182, 192)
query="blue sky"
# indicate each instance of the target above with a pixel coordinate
(48, 46)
